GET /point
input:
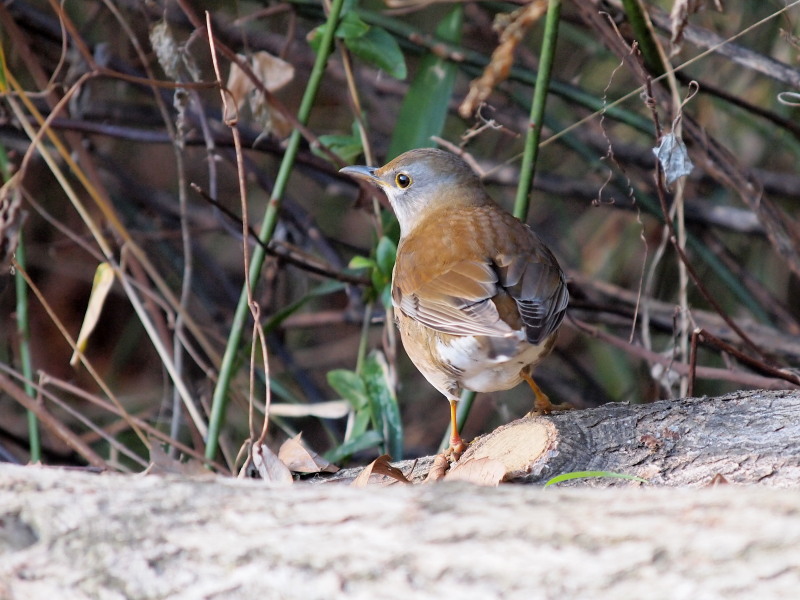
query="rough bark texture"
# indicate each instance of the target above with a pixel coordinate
(746, 437)
(73, 535)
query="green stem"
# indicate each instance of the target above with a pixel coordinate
(23, 327)
(531, 152)
(643, 35)
(220, 398)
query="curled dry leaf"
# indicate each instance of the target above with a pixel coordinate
(379, 466)
(679, 20)
(300, 459)
(101, 285)
(480, 471)
(274, 73)
(512, 31)
(10, 220)
(674, 158)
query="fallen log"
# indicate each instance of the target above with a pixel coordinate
(76, 535)
(750, 437)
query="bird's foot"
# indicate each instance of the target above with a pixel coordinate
(444, 461)
(543, 406)
(456, 449)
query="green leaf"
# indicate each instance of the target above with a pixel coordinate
(349, 386)
(368, 439)
(379, 281)
(588, 474)
(385, 254)
(346, 147)
(424, 108)
(361, 262)
(360, 423)
(383, 403)
(378, 47)
(386, 296)
(349, 28)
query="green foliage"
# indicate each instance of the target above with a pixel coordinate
(424, 108)
(373, 403)
(380, 269)
(384, 410)
(374, 45)
(347, 147)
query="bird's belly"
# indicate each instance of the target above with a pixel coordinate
(489, 364)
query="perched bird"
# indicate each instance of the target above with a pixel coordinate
(478, 296)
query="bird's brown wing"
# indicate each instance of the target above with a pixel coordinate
(479, 272)
(457, 301)
(536, 283)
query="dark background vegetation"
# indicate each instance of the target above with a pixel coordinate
(596, 203)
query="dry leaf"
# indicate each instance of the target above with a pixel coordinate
(103, 280)
(10, 220)
(163, 464)
(674, 158)
(172, 55)
(513, 29)
(274, 73)
(480, 471)
(679, 20)
(269, 466)
(379, 466)
(300, 459)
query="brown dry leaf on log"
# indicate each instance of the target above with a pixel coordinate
(300, 459)
(379, 466)
(269, 467)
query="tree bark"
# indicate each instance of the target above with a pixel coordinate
(75, 535)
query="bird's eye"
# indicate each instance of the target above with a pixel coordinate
(402, 180)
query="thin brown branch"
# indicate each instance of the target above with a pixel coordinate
(52, 424)
(712, 373)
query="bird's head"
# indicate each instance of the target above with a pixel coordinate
(423, 180)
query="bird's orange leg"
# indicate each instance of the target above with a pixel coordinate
(541, 403)
(457, 445)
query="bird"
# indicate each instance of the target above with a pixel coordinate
(478, 297)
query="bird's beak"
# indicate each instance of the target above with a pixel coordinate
(363, 172)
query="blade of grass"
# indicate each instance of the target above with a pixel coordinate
(220, 398)
(23, 322)
(24, 330)
(589, 474)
